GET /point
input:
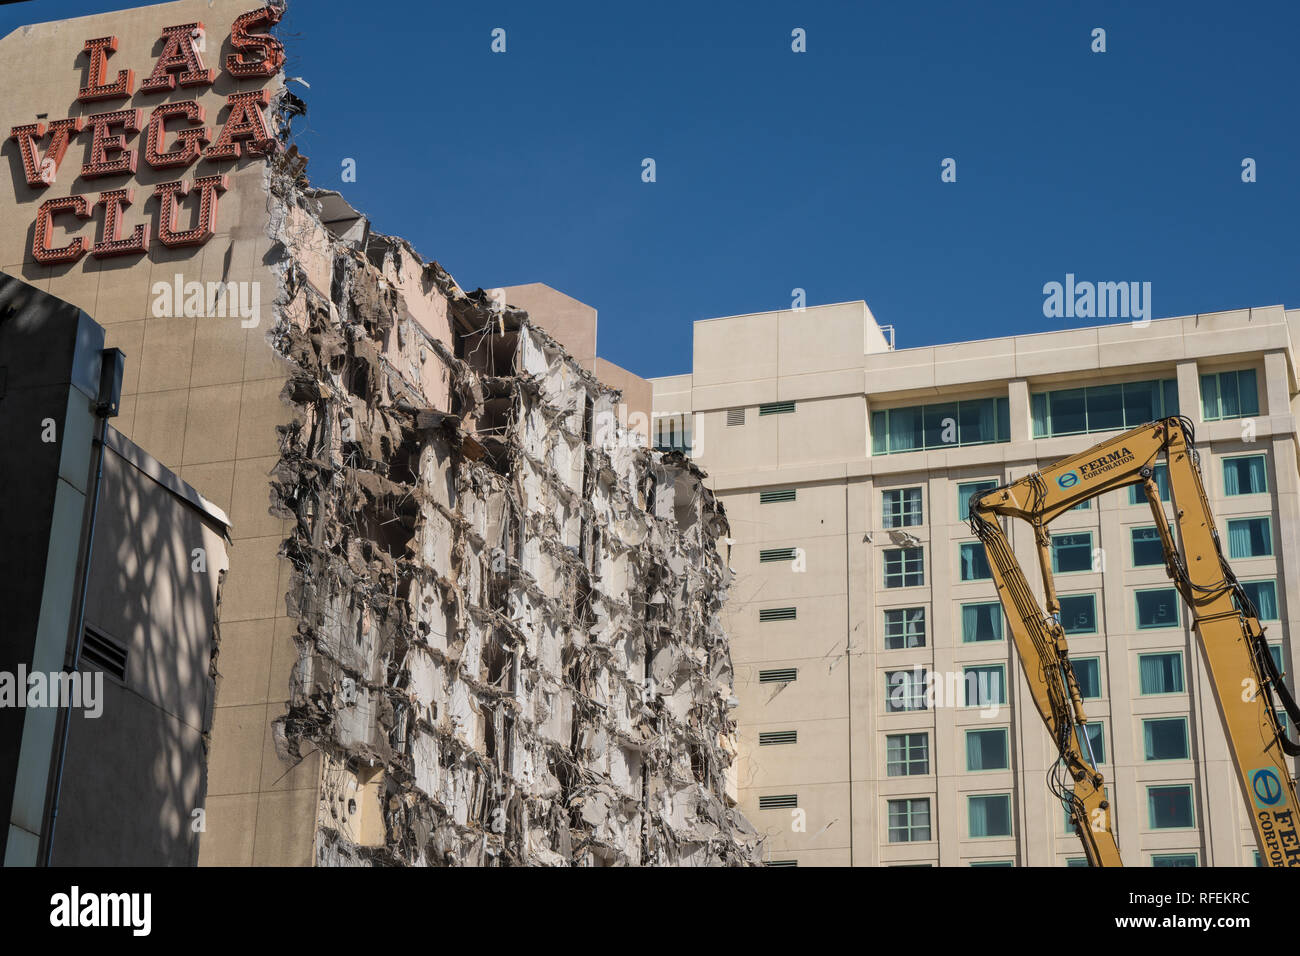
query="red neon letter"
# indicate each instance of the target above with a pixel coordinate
(189, 141)
(96, 88)
(169, 195)
(111, 242)
(181, 54)
(245, 122)
(40, 175)
(42, 252)
(255, 54)
(103, 143)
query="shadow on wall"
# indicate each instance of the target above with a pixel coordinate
(136, 774)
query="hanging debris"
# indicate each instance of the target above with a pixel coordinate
(507, 609)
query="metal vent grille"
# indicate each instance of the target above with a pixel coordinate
(776, 554)
(776, 408)
(773, 497)
(774, 737)
(100, 652)
(781, 863)
(781, 675)
(779, 801)
(735, 416)
(776, 614)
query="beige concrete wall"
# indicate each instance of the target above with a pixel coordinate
(837, 702)
(201, 394)
(568, 321)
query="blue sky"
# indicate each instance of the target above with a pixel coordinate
(820, 170)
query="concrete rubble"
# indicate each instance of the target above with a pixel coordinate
(510, 650)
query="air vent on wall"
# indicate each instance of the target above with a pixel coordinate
(100, 652)
(779, 801)
(773, 497)
(774, 737)
(776, 614)
(735, 416)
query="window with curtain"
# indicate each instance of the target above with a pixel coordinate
(1147, 549)
(1075, 411)
(1275, 652)
(1087, 674)
(944, 425)
(1096, 737)
(981, 622)
(1079, 613)
(1173, 859)
(1245, 475)
(986, 685)
(1250, 538)
(904, 627)
(1263, 595)
(902, 508)
(973, 562)
(1161, 673)
(1072, 552)
(904, 567)
(990, 814)
(967, 491)
(1165, 738)
(1160, 475)
(909, 820)
(1157, 608)
(1229, 395)
(907, 755)
(905, 690)
(988, 749)
(1170, 807)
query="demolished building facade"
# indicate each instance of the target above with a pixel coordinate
(470, 619)
(507, 608)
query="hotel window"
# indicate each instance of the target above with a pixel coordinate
(1275, 652)
(1165, 738)
(1246, 475)
(1079, 613)
(902, 507)
(987, 749)
(1161, 673)
(907, 755)
(1147, 549)
(981, 622)
(1229, 395)
(904, 567)
(1250, 538)
(967, 492)
(904, 627)
(1170, 808)
(1173, 859)
(986, 685)
(1075, 411)
(673, 433)
(993, 863)
(1087, 674)
(1160, 475)
(909, 820)
(1077, 861)
(1262, 594)
(973, 562)
(946, 425)
(989, 815)
(1157, 608)
(905, 690)
(1072, 552)
(1095, 731)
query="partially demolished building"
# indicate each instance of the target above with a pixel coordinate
(469, 617)
(507, 608)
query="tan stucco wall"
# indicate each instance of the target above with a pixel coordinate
(201, 394)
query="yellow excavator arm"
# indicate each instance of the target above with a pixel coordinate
(1242, 672)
